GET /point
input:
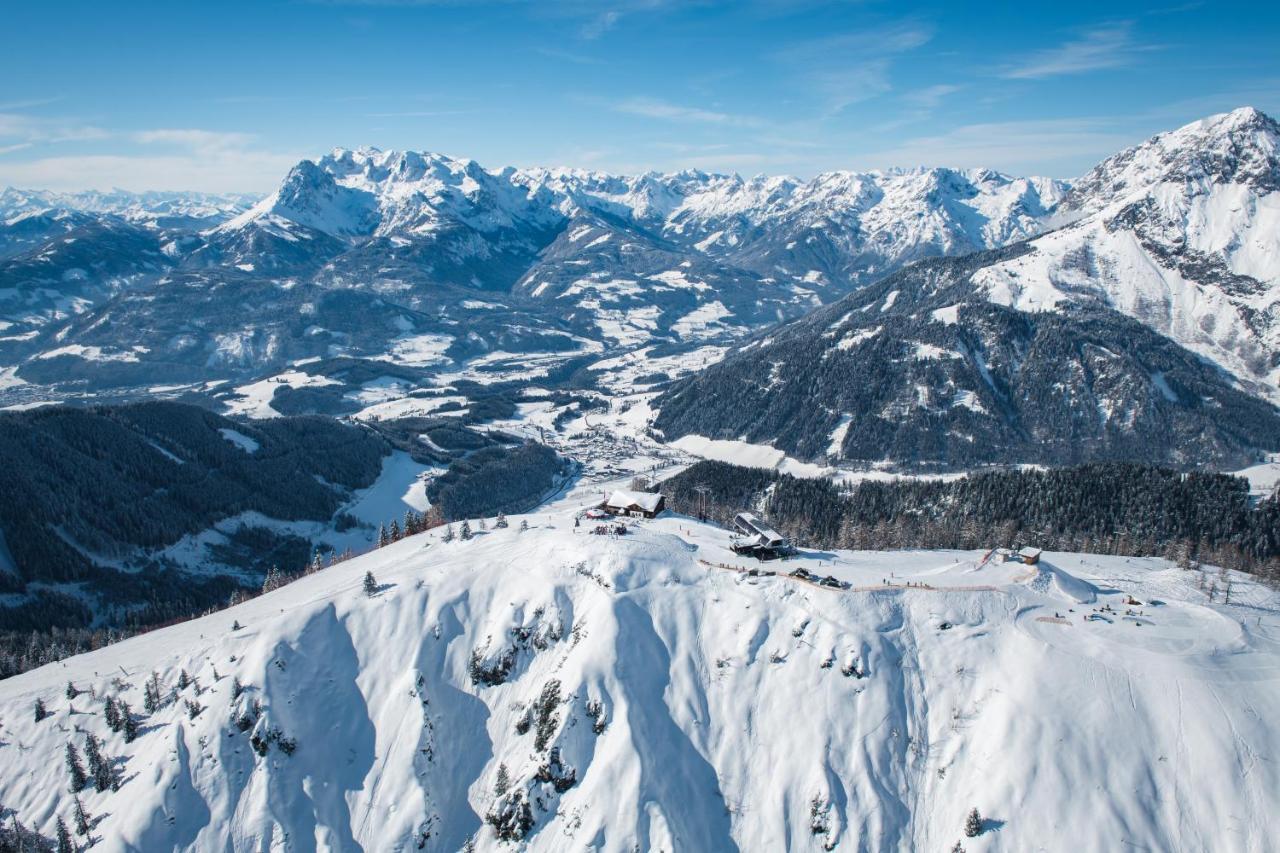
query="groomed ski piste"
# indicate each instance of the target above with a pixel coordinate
(554, 689)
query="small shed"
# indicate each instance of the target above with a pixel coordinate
(634, 504)
(1029, 555)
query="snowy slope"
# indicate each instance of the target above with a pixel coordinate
(672, 704)
(1182, 233)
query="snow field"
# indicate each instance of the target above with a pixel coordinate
(736, 712)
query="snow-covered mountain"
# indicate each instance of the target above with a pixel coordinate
(365, 253)
(194, 207)
(558, 261)
(566, 691)
(1181, 232)
(917, 370)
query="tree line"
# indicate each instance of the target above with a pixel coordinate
(1105, 508)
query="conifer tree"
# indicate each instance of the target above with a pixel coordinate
(394, 532)
(81, 818)
(151, 694)
(112, 714)
(184, 680)
(465, 531)
(99, 766)
(236, 688)
(500, 522)
(273, 580)
(483, 526)
(64, 838)
(127, 722)
(75, 769)
(71, 691)
(370, 585)
(410, 523)
(524, 525)
(503, 782)
(448, 533)
(40, 711)
(383, 539)
(973, 824)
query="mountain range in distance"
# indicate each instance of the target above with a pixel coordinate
(439, 265)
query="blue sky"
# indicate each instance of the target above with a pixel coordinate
(226, 96)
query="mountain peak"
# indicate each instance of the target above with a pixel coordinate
(1239, 147)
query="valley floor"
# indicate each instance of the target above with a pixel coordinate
(601, 692)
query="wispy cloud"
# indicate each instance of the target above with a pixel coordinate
(418, 114)
(1016, 147)
(1109, 46)
(601, 24)
(930, 97)
(18, 127)
(199, 141)
(660, 109)
(848, 68)
(568, 56)
(226, 171)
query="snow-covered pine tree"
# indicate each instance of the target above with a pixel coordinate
(465, 531)
(383, 538)
(128, 724)
(236, 688)
(81, 817)
(973, 824)
(370, 585)
(524, 525)
(483, 526)
(71, 691)
(150, 699)
(40, 710)
(64, 838)
(410, 523)
(501, 522)
(394, 531)
(448, 533)
(503, 783)
(184, 680)
(958, 848)
(112, 714)
(75, 769)
(99, 767)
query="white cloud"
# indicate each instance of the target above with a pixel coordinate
(199, 141)
(226, 171)
(848, 68)
(1110, 46)
(656, 108)
(18, 127)
(1016, 147)
(601, 24)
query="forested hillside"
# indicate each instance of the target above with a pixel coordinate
(1114, 508)
(87, 495)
